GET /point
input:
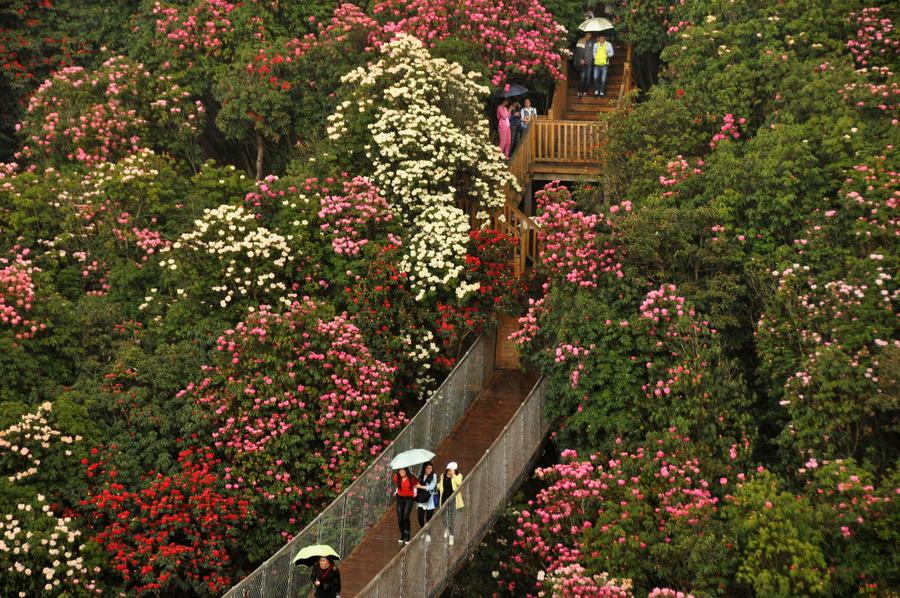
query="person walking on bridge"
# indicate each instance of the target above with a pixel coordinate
(405, 491)
(447, 487)
(426, 495)
(325, 578)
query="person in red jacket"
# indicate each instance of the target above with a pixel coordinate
(405, 491)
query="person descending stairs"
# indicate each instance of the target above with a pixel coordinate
(587, 107)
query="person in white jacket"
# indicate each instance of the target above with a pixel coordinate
(603, 53)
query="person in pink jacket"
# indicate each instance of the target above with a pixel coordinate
(503, 127)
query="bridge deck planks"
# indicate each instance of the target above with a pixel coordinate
(472, 436)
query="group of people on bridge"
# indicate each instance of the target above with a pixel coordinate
(429, 491)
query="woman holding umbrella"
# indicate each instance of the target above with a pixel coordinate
(325, 578)
(405, 487)
(405, 491)
(323, 573)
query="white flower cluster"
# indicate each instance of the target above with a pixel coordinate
(429, 151)
(252, 262)
(39, 549)
(26, 440)
(431, 254)
(422, 350)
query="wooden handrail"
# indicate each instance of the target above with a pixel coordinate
(560, 99)
(627, 83)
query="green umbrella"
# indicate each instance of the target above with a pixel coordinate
(310, 554)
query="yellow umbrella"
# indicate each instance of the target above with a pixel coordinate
(310, 554)
(596, 24)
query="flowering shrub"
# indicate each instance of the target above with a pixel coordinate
(874, 42)
(647, 516)
(17, 294)
(427, 152)
(351, 217)
(837, 303)
(396, 327)
(299, 406)
(230, 258)
(489, 269)
(98, 116)
(516, 40)
(42, 553)
(572, 249)
(172, 531)
(24, 444)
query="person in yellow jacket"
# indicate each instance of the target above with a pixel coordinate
(603, 53)
(448, 485)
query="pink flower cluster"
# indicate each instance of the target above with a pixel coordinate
(348, 217)
(321, 384)
(873, 36)
(102, 130)
(880, 91)
(728, 130)
(518, 38)
(612, 510)
(529, 326)
(97, 116)
(663, 304)
(17, 293)
(678, 171)
(572, 248)
(200, 29)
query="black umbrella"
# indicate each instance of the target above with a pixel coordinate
(512, 91)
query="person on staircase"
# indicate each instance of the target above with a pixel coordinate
(584, 54)
(528, 114)
(503, 127)
(405, 492)
(426, 495)
(603, 53)
(325, 578)
(515, 125)
(448, 485)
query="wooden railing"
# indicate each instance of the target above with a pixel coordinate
(559, 101)
(548, 139)
(564, 141)
(627, 83)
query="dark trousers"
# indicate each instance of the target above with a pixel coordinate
(516, 137)
(424, 516)
(586, 71)
(404, 510)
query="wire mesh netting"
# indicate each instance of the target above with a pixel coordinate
(343, 524)
(424, 566)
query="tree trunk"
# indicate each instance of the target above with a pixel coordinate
(260, 153)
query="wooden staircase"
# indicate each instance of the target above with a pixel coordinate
(560, 145)
(618, 82)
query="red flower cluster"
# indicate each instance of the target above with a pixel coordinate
(175, 528)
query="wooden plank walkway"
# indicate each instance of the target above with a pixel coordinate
(473, 435)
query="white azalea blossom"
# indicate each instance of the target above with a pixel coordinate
(249, 259)
(430, 151)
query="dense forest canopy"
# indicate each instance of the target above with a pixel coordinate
(233, 264)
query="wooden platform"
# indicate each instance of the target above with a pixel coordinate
(553, 171)
(475, 433)
(506, 356)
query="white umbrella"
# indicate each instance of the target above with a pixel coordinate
(596, 24)
(410, 458)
